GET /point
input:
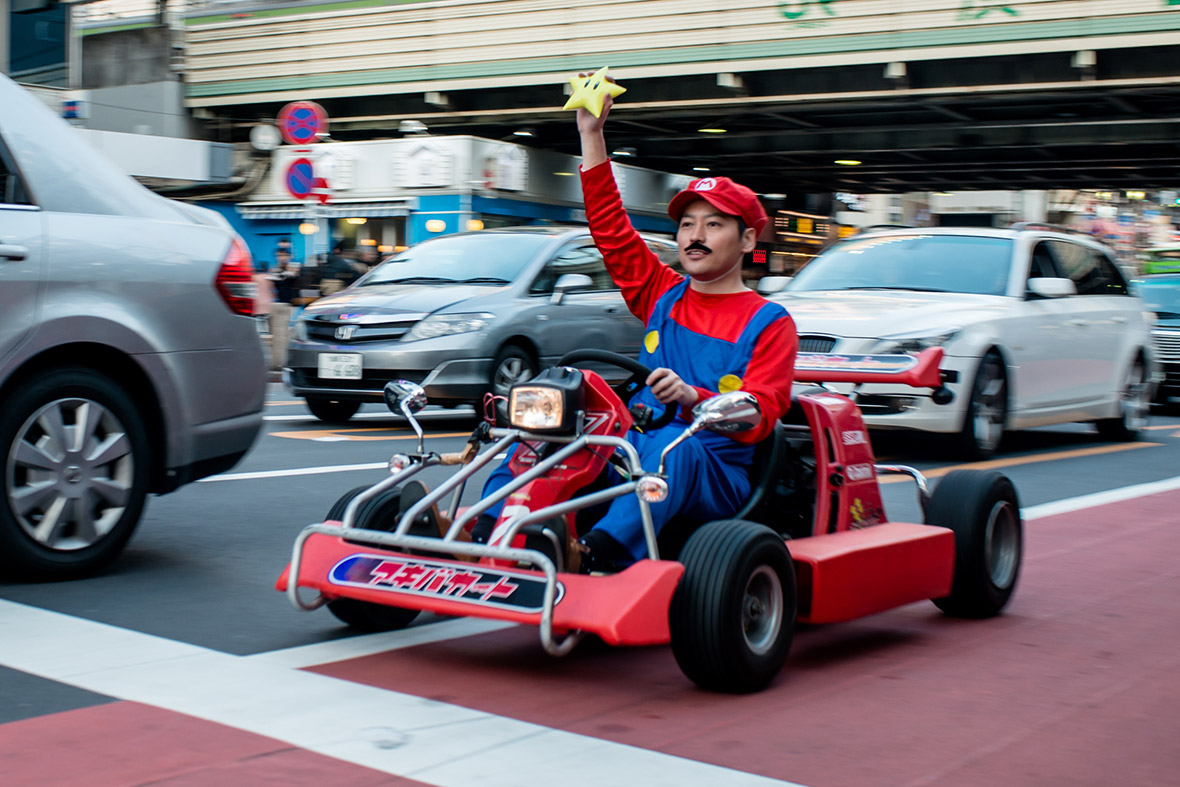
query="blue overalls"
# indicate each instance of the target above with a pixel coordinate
(708, 473)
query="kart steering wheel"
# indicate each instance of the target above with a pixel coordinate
(629, 387)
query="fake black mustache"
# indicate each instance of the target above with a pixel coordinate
(696, 245)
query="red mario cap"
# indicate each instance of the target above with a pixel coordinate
(725, 195)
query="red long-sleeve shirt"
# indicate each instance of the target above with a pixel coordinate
(643, 279)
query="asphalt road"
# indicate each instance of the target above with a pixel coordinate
(201, 569)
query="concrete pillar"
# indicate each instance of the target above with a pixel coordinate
(1034, 205)
(5, 10)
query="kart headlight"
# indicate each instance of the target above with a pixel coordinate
(447, 325)
(912, 345)
(549, 403)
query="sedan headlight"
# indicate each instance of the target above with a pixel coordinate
(912, 345)
(300, 330)
(448, 324)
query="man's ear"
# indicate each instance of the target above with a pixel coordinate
(749, 239)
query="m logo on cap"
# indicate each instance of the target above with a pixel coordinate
(704, 184)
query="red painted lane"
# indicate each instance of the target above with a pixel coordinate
(1074, 685)
(125, 743)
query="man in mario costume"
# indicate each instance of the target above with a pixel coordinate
(706, 334)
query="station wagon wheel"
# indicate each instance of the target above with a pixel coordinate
(380, 513)
(982, 509)
(732, 617)
(987, 410)
(1134, 403)
(76, 474)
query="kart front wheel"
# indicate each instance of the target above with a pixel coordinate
(982, 509)
(380, 513)
(732, 616)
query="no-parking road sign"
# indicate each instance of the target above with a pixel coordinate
(302, 122)
(300, 178)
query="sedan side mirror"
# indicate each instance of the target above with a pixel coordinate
(769, 285)
(1045, 287)
(570, 282)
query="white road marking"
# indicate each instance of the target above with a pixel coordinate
(370, 644)
(1100, 498)
(295, 471)
(413, 737)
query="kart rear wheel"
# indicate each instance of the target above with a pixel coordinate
(982, 509)
(380, 513)
(732, 616)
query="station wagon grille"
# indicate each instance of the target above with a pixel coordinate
(816, 343)
(1167, 345)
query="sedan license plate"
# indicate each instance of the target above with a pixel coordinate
(340, 366)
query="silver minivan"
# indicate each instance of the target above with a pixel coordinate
(462, 315)
(129, 362)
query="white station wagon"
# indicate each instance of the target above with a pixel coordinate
(1038, 327)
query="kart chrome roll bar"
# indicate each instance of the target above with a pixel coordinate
(467, 549)
(919, 479)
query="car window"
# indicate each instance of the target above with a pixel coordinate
(582, 257)
(919, 262)
(667, 252)
(480, 258)
(12, 192)
(1041, 263)
(1092, 272)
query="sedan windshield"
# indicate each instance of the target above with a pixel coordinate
(494, 258)
(921, 263)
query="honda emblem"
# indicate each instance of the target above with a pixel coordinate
(345, 332)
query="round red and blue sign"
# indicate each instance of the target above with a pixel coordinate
(300, 178)
(302, 122)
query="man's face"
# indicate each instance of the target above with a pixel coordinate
(710, 242)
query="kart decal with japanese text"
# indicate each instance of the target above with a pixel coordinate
(479, 585)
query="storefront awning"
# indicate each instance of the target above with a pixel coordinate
(342, 210)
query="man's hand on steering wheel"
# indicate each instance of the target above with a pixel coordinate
(669, 389)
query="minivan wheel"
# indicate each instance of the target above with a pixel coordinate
(76, 474)
(333, 411)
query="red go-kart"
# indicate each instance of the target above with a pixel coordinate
(811, 545)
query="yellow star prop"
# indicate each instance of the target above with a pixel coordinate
(589, 91)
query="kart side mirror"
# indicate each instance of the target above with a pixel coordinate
(569, 282)
(728, 413)
(736, 411)
(403, 397)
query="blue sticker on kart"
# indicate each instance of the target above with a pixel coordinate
(480, 586)
(870, 364)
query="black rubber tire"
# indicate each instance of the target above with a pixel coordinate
(22, 555)
(332, 411)
(511, 365)
(708, 615)
(983, 510)
(380, 513)
(972, 445)
(1127, 426)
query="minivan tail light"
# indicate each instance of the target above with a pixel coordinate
(235, 279)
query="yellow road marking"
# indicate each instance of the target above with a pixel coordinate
(1163, 426)
(937, 472)
(350, 434)
(293, 401)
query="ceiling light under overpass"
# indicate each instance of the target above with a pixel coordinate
(847, 162)
(524, 132)
(711, 130)
(700, 169)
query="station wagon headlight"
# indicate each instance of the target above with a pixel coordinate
(912, 345)
(447, 325)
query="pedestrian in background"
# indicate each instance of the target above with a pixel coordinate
(285, 277)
